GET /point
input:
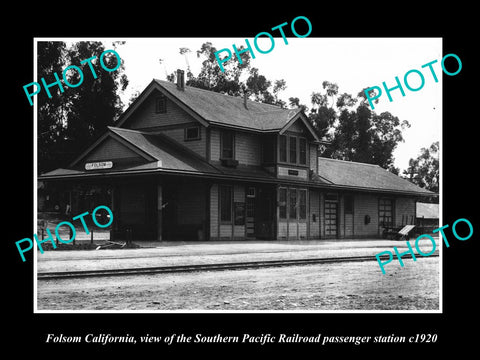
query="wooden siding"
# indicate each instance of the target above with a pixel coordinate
(112, 150)
(321, 214)
(294, 229)
(214, 212)
(191, 204)
(302, 230)
(225, 231)
(404, 211)
(178, 134)
(365, 204)
(348, 226)
(214, 144)
(313, 159)
(247, 148)
(238, 196)
(314, 210)
(146, 117)
(283, 172)
(282, 229)
(341, 218)
(297, 127)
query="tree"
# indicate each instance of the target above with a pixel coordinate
(424, 170)
(258, 85)
(50, 127)
(211, 77)
(355, 132)
(76, 117)
(237, 78)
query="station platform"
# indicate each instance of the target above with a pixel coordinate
(153, 254)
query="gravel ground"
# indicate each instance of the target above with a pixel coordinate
(339, 286)
(207, 253)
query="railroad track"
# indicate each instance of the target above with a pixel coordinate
(204, 267)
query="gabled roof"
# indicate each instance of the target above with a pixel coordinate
(361, 176)
(158, 149)
(165, 155)
(212, 108)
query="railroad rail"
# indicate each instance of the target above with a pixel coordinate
(203, 267)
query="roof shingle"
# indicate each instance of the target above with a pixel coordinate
(230, 110)
(351, 174)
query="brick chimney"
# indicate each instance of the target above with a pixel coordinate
(180, 80)
(245, 96)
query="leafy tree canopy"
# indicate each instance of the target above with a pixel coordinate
(69, 120)
(424, 170)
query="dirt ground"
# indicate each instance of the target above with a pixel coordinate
(339, 286)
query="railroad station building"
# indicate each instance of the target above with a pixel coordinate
(184, 163)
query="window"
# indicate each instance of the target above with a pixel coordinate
(225, 203)
(227, 145)
(302, 204)
(293, 149)
(192, 133)
(161, 104)
(385, 212)
(293, 203)
(282, 203)
(348, 204)
(302, 144)
(283, 148)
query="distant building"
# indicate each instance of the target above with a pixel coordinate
(427, 217)
(185, 163)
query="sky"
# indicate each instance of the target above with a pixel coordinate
(304, 63)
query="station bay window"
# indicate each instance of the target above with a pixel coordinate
(293, 149)
(283, 148)
(293, 146)
(302, 149)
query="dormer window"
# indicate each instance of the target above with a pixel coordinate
(192, 133)
(161, 104)
(283, 148)
(295, 147)
(302, 148)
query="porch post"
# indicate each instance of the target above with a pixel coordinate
(159, 212)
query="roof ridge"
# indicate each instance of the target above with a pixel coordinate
(230, 96)
(351, 161)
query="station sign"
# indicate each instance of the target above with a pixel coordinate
(99, 165)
